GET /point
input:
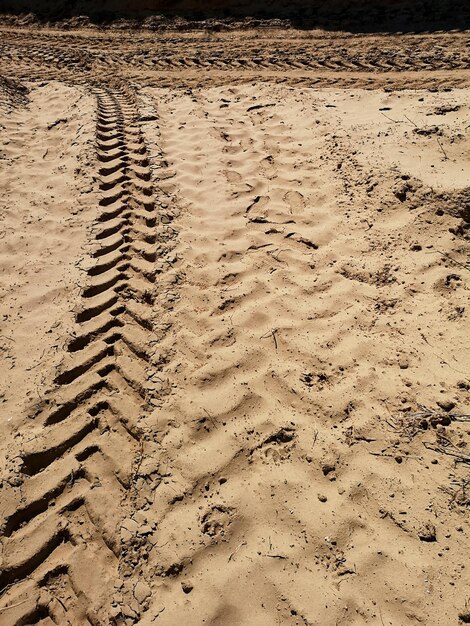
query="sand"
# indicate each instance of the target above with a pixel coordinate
(234, 333)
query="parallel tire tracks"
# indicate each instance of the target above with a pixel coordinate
(61, 541)
(50, 56)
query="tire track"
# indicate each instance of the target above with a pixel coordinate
(62, 545)
(233, 429)
(387, 60)
(55, 57)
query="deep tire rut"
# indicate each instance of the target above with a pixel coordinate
(62, 545)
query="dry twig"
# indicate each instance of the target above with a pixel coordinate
(464, 265)
(271, 333)
(443, 151)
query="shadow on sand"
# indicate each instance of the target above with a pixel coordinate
(364, 16)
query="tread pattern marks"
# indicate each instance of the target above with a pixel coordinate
(307, 57)
(64, 538)
(62, 58)
(393, 56)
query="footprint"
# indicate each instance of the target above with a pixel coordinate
(295, 201)
(232, 176)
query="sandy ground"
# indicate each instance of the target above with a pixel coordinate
(234, 329)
